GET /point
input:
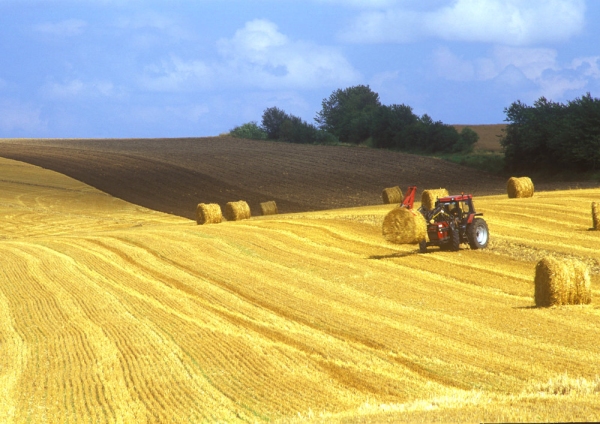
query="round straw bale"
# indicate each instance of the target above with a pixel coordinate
(392, 195)
(519, 187)
(208, 213)
(551, 282)
(582, 287)
(235, 211)
(596, 216)
(269, 208)
(561, 282)
(428, 197)
(404, 226)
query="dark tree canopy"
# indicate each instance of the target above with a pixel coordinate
(279, 125)
(272, 120)
(348, 113)
(552, 137)
(355, 115)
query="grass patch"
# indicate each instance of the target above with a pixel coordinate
(492, 162)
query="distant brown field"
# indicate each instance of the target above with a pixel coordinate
(174, 175)
(489, 136)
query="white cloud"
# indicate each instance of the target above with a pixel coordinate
(555, 86)
(176, 74)
(513, 22)
(588, 66)
(67, 28)
(257, 56)
(509, 22)
(254, 42)
(16, 116)
(77, 88)
(532, 62)
(518, 66)
(263, 57)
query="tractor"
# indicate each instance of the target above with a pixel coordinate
(453, 221)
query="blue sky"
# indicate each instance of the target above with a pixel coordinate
(133, 68)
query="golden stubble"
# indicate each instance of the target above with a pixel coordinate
(110, 312)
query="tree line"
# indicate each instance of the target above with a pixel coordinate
(553, 137)
(548, 137)
(355, 115)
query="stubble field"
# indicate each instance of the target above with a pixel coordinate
(113, 312)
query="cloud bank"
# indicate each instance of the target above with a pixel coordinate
(514, 67)
(257, 56)
(509, 22)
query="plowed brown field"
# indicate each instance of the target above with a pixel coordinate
(174, 175)
(111, 312)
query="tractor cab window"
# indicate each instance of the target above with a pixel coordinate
(467, 207)
(453, 208)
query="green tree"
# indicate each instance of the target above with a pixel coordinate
(348, 114)
(249, 130)
(391, 126)
(272, 120)
(295, 130)
(552, 137)
(466, 141)
(577, 143)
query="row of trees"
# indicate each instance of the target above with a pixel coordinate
(553, 137)
(355, 115)
(548, 137)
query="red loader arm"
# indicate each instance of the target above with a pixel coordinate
(409, 198)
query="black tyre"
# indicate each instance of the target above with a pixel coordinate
(454, 241)
(478, 234)
(423, 246)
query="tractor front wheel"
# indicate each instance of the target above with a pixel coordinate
(478, 234)
(455, 240)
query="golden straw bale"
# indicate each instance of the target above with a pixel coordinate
(582, 284)
(561, 282)
(235, 211)
(596, 215)
(428, 197)
(551, 282)
(269, 208)
(404, 226)
(519, 187)
(392, 195)
(208, 213)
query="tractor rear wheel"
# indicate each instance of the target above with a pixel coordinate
(478, 234)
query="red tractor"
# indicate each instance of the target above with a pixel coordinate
(452, 221)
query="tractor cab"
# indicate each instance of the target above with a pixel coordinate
(457, 206)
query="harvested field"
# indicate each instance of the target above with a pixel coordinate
(113, 312)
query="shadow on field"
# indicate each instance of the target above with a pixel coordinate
(393, 255)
